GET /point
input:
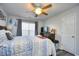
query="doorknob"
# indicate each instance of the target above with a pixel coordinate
(73, 36)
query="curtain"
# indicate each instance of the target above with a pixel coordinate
(36, 28)
(19, 28)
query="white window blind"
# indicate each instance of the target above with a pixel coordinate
(28, 29)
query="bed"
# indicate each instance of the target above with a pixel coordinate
(27, 46)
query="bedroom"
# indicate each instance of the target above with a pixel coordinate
(22, 22)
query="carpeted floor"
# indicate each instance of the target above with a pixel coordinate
(63, 53)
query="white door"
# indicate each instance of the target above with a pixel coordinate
(68, 33)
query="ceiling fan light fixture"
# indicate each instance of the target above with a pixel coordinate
(38, 11)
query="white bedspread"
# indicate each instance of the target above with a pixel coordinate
(43, 47)
(27, 46)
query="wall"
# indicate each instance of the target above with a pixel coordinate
(77, 31)
(56, 22)
(3, 11)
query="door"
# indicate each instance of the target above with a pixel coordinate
(68, 33)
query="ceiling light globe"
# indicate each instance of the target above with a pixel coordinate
(38, 11)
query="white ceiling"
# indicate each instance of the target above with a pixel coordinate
(18, 9)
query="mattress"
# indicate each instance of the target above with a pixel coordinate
(27, 46)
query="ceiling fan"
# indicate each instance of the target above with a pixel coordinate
(38, 9)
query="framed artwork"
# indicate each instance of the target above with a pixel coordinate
(12, 25)
(11, 21)
(14, 21)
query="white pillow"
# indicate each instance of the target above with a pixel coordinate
(3, 37)
(8, 32)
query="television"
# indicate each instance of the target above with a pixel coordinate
(44, 29)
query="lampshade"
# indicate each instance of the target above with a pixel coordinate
(9, 27)
(2, 23)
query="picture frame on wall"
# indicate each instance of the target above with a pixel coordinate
(11, 21)
(14, 22)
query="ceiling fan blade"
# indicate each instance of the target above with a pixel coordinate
(33, 4)
(44, 13)
(48, 6)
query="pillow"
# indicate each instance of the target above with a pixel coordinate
(9, 35)
(2, 36)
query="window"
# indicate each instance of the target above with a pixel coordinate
(28, 29)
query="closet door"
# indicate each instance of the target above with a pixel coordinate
(68, 33)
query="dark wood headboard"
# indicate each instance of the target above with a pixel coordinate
(3, 27)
